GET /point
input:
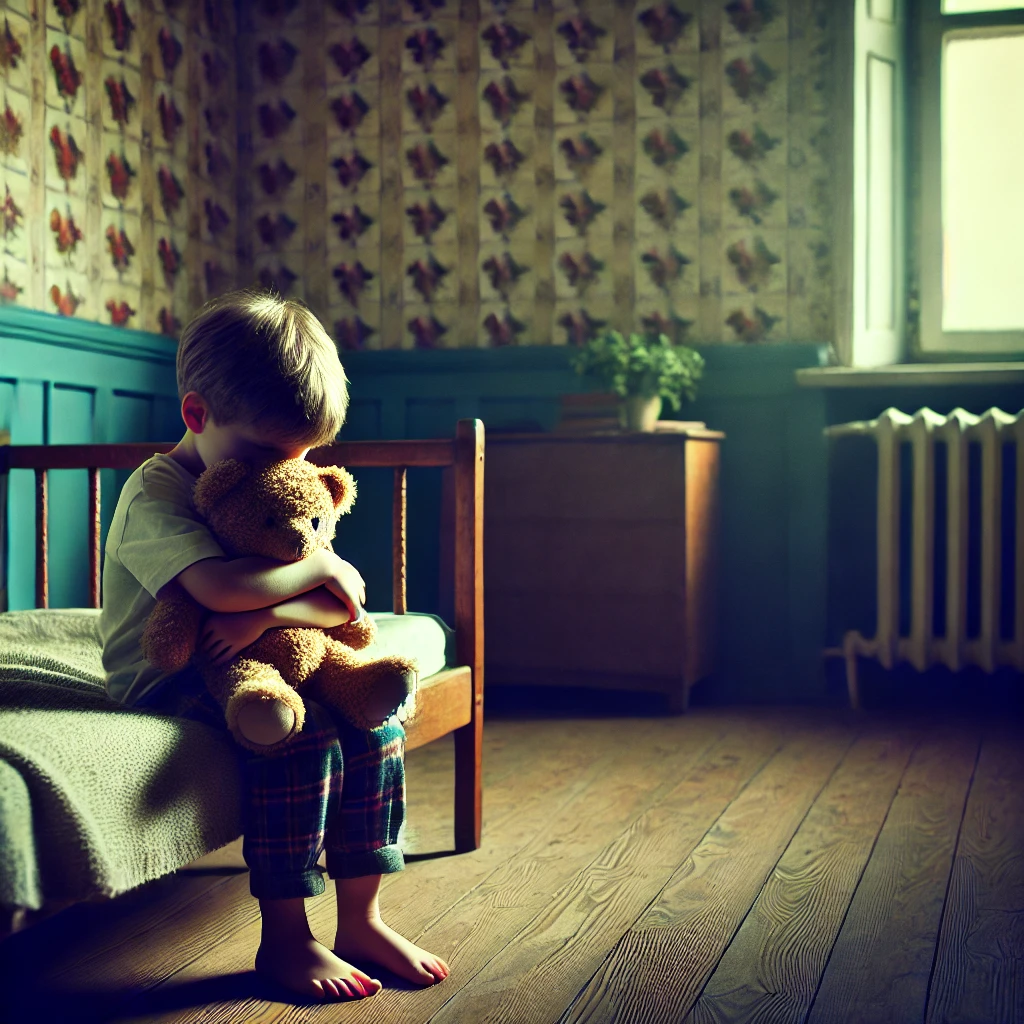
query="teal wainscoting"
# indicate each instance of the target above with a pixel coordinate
(68, 381)
(773, 476)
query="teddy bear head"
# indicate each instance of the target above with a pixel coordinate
(284, 510)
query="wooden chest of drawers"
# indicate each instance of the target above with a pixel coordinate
(600, 560)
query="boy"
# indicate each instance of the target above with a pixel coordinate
(259, 379)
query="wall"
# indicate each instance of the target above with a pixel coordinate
(67, 382)
(797, 515)
(118, 158)
(453, 174)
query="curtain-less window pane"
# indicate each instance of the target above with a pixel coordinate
(977, 6)
(982, 183)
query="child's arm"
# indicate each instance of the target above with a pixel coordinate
(245, 584)
(226, 633)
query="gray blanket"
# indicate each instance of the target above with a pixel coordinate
(96, 798)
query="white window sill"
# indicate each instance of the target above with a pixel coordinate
(910, 375)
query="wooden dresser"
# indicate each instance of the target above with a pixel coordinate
(600, 560)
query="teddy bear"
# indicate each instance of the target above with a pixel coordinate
(284, 510)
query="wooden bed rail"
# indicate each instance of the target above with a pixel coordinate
(399, 455)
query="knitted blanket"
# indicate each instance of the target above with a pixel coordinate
(96, 798)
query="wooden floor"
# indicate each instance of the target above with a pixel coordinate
(732, 864)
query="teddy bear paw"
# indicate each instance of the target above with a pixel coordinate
(369, 698)
(357, 635)
(263, 712)
(265, 723)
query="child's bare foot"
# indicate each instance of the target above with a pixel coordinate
(370, 938)
(311, 969)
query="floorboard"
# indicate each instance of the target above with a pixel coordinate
(773, 964)
(979, 965)
(783, 864)
(881, 962)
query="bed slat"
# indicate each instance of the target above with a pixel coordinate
(42, 542)
(94, 536)
(398, 540)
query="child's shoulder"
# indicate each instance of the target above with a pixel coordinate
(163, 478)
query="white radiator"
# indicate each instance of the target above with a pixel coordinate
(921, 647)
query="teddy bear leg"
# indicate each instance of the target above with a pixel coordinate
(262, 711)
(366, 694)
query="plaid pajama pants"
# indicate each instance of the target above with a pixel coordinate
(333, 787)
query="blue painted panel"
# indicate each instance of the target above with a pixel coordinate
(363, 422)
(73, 381)
(6, 403)
(34, 360)
(430, 417)
(131, 418)
(71, 422)
(166, 419)
(28, 426)
(519, 414)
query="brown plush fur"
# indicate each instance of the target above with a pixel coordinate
(284, 511)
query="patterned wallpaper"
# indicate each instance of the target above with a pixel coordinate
(425, 173)
(118, 141)
(445, 173)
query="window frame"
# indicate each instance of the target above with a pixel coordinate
(926, 31)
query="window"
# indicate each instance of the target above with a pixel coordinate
(929, 181)
(969, 64)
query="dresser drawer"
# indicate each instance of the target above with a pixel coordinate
(583, 480)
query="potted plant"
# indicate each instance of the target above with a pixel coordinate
(644, 370)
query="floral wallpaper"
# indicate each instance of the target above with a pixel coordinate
(448, 173)
(425, 173)
(118, 155)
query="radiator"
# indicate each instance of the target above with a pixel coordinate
(921, 647)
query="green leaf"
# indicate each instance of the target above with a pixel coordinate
(642, 365)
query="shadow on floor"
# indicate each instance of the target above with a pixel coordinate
(904, 688)
(971, 690)
(244, 992)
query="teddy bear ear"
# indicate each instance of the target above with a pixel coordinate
(341, 485)
(218, 480)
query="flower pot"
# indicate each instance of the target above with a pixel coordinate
(640, 413)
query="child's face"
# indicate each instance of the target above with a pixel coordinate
(243, 441)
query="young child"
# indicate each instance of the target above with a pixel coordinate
(259, 379)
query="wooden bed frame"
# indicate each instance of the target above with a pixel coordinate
(451, 701)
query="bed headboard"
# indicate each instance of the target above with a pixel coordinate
(463, 454)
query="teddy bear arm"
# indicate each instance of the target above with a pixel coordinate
(172, 629)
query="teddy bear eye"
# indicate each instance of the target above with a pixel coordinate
(270, 521)
(316, 522)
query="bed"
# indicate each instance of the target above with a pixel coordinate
(96, 798)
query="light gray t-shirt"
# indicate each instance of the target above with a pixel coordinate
(154, 535)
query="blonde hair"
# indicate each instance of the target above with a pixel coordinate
(259, 359)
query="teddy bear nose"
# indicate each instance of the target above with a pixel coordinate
(316, 523)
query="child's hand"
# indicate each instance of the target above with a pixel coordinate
(345, 583)
(224, 634)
